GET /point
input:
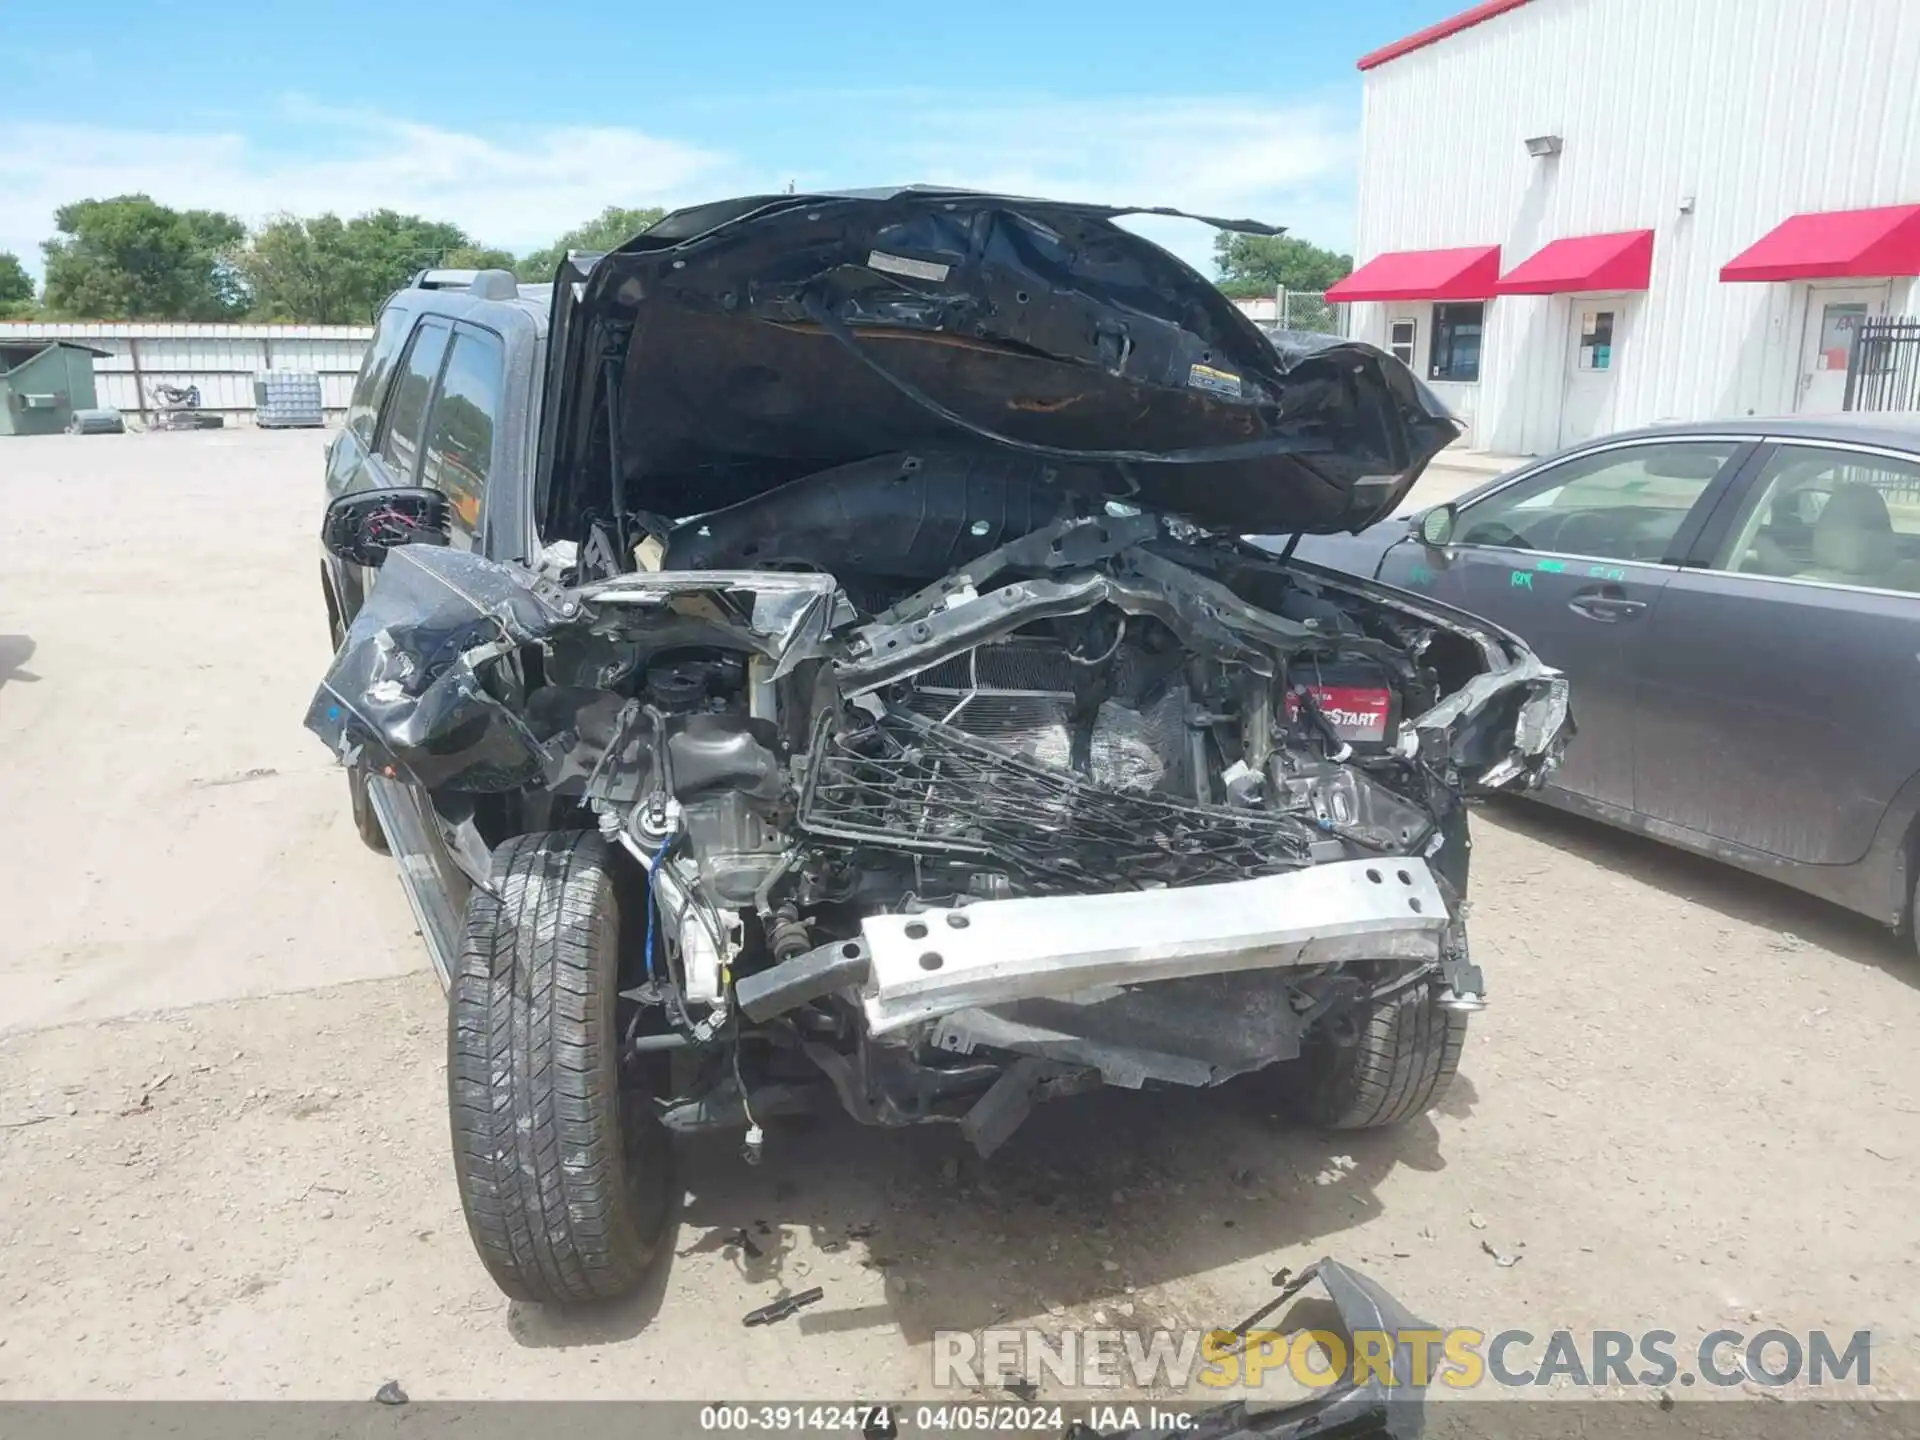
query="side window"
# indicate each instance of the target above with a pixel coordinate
(1624, 504)
(1840, 516)
(364, 408)
(1456, 342)
(406, 413)
(459, 452)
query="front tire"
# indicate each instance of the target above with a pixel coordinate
(1912, 926)
(564, 1175)
(1402, 1056)
(365, 822)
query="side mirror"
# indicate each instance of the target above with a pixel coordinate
(362, 527)
(1436, 526)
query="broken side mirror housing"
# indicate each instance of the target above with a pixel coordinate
(362, 527)
(1437, 525)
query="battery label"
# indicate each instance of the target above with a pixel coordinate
(1356, 712)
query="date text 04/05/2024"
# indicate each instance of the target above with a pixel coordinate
(877, 1420)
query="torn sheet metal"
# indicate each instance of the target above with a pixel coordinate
(418, 691)
(957, 614)
(1198, 1031)
(1506, 725)
(406, 693)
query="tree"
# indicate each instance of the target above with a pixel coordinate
(389, 248)
(479, 257)
(303, 270)
(1260, 264)
(613, 226)
(129, 258)
(16, 287)
(329, 271)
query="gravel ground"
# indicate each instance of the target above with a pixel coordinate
(223, 1156)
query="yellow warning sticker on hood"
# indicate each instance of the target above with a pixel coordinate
(1220, 382)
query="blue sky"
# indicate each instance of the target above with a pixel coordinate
(518, 122)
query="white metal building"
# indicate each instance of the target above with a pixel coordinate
(221, 360)
(1582, 215)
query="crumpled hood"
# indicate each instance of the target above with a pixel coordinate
(745, 344)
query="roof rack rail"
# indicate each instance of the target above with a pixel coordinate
(487, 284)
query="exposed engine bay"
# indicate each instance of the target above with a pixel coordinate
(886, 607)
(1121, 798)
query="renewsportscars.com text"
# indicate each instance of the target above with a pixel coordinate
(1460, 1359)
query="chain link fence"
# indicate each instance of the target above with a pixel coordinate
(1306, 310)
(1309, 310)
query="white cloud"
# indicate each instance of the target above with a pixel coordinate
(515, 191)
(1231, 157)
(1287, 163)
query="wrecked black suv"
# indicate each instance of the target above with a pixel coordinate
(815, 663)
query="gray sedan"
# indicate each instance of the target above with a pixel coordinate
(1737, 605)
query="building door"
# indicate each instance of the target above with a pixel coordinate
(1832, 317)
(1586, 404)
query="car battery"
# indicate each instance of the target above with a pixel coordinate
(1355, 697)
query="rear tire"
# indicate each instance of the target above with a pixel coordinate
(1399, 1065)
(564, 1174)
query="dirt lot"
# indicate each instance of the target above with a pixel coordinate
(223, 1163)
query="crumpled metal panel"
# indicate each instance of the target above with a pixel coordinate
(1197, 1031)
(411, 689)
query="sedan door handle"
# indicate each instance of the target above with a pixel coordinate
(1607, 604)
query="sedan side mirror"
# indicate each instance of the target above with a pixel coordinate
(362, 527)
(1437, 525)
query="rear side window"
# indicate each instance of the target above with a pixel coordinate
(1843, 517)
(406, 413)
(364, 408)
(459, 450)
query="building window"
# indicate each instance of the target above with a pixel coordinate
(1456, 343)
(1596, 340)
(1400, 341)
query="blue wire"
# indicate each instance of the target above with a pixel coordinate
(653, 906)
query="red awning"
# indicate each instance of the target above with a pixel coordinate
(1830, 243)
(1468, 274)
(1434, 34)
(1584, 262)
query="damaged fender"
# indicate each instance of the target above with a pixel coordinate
(415, 690)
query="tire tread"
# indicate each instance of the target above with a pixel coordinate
(543, 1153)
(1399, 1066)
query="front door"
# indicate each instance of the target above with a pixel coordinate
(1572, 557)
(1832, 317)
(1586, 406)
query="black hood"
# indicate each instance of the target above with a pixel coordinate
(735, 347)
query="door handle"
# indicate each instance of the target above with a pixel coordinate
(1607, 604)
